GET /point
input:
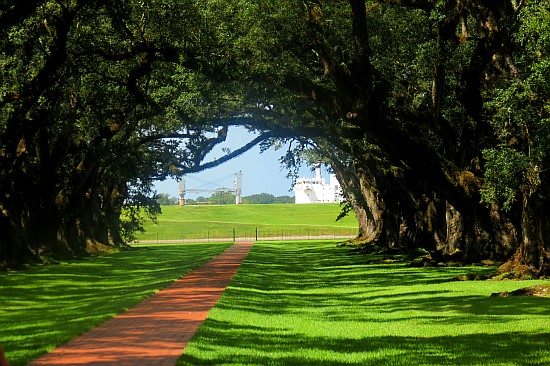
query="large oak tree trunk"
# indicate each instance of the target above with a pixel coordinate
(532, 256)
(359, 187)
(408, 210)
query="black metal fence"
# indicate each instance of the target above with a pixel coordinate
(254, 234)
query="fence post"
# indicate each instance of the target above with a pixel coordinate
(256, 233)
(234, 239)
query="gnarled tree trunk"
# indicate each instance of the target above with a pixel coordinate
(532, 256)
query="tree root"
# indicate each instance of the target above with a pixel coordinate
(537, 290)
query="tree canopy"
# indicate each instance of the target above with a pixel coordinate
(433, 114)
(99, 99)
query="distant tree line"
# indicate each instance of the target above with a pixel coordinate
(267, 198)
(164, 199)
(225, 198)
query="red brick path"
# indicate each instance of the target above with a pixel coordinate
(156, 331)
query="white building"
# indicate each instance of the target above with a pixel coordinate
(316, 190)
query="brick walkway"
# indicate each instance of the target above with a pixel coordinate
(156, 331)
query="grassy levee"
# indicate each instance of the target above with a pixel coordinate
(44, 307)
(280, 221)
(312, 303)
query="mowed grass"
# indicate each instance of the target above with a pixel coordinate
(272, 221)
(46, 306)
(312, 303)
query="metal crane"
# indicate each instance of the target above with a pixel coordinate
(237, 189)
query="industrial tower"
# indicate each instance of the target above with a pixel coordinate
(237, 189)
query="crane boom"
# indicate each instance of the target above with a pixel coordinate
(237, 189)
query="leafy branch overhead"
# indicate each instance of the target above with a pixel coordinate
(433, 114)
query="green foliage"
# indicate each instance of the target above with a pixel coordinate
(407, 64)
(284, 199)
(164, 199)
(98, 100)
(229, 198)
(520, 114)
(262, 198)
(267, 198)
(222, 198)
(504, 175)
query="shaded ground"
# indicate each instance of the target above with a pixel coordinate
(538, 290)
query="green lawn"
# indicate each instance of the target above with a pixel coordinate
(46, 306)
(316, 304)
(272, 221)
(291, 303)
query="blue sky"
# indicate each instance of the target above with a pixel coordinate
(261, 171)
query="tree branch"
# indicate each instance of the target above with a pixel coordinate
(234, 154)
(332, 65)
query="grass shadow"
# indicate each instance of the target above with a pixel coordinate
(46, 306)
(308, 304)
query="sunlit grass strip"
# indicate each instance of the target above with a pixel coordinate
(317, 304)
(271, 221)
(47, 306)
